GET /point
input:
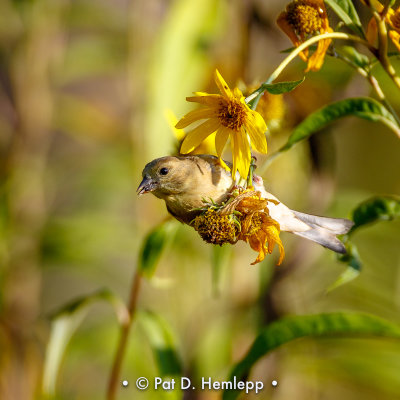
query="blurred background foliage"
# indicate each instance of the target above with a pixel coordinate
(84, 86)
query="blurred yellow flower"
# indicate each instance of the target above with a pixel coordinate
(229, 116)
(303, 19)
(392, 18)
(205, 147)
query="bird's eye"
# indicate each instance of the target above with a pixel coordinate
(164, 171)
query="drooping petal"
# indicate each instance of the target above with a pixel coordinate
(317, 59)
(243, 162)
(221, 138)
(372, 31)
(222, 85)
(195, 115)
(283, 23)
(235, 153)
(256, 128)
(197, 135)
(395, 37)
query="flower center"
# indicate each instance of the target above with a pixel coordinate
(232, 114)
(305, 17)
(395, 20)
(215, 228)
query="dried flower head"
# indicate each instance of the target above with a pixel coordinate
(302, 19)
(392, 18)
(245, 217)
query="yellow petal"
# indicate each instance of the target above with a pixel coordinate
(172, 120)
(243, 162)
(211, 100)
(395, 37)
(283, 23)
(220, 140)
(256, 128)
(317, 59)
(195, 115)
(222, 85)
(238, 94)
(372, 31)
(197, 135)
(235, 153)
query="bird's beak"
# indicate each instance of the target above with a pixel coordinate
(146, 186)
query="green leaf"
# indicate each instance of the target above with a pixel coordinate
(363, 107)
(219, 263)
(291, 328)
(162, 343)
(383, 208)
(352, 259)
(346, 11)
(281, 87)
(64, 324)
(154, 244)
(355, 57)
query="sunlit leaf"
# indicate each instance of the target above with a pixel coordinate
(363, 107)
(153, 246)
(281, 87)
(383, 208)
(162, 343)
(346, 11)
(291, 328)
(352, 259)
(361, 60)
(64, 323)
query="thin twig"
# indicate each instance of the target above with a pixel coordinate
(382, 55)
(256, 95)
(113, 382)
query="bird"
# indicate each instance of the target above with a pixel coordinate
(184, 182)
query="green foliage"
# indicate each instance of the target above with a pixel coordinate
(362, 107)
(281, 87)
(64, 324)
(153, 245)
(291, 328)
(346, 11)
(358, 59)
(382, 208)
(162, 343)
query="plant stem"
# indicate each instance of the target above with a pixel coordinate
(113, 382)
(366, 73)
(256, 95)
(383, 47)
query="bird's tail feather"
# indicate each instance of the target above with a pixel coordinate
(324, 230)
(338, 226)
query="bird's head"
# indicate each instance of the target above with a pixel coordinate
(165, 176)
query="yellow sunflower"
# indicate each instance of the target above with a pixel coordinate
(303, 19)
(392, 18)
(229, 116)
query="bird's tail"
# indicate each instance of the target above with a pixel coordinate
(324, 230)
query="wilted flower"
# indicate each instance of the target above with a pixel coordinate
(303, 19)
(392, 18)
(246, 218)
(229, 116)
